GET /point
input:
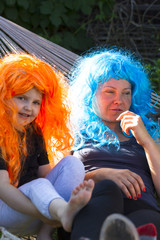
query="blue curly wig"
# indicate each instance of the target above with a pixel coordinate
(90, 71)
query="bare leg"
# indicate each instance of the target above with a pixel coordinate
(65, 212)
(45, 232)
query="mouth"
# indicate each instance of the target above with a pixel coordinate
(117, 110)
(24, 115)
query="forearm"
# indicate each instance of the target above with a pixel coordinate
(17, 200)
(152, 151)
(98, 174)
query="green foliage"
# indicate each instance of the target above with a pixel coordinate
(10, 3)
(155, 75)
(63, 22)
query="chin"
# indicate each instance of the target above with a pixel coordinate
(23, 123)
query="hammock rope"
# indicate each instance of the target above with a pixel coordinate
(14, 38)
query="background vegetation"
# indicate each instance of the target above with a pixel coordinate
(61, 21)
(78, 25)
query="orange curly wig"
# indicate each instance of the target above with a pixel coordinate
(18, 74)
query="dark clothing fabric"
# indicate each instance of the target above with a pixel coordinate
(89, 220)
(36, 157)
(106, 199)
(130, 156)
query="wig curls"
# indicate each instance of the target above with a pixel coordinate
(18, 74)
(95, 68)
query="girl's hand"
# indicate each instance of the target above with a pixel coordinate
(131, 121)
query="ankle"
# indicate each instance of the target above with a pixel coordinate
(56, 209)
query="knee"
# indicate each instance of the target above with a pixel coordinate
(73, 163)
(33, 185)
(39, 183)
(108, 187)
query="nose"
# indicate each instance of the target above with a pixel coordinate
(28, 107)
(118, 99)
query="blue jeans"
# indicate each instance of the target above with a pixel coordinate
(59, 183)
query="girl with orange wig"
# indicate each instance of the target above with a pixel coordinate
(34, 128)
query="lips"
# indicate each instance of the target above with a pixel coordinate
(24, 115)
(117, 110)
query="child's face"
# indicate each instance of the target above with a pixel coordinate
(28, 106)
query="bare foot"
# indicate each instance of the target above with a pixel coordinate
(79, 198)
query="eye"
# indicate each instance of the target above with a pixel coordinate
(37, 103)
(20, 98)
(109, 91)
(127, 93)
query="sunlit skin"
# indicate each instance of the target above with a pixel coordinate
(113, 98)
(28, 106)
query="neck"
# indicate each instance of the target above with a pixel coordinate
(115, 127)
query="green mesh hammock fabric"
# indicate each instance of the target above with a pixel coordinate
(14, 38)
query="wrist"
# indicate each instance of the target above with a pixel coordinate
(148, 142)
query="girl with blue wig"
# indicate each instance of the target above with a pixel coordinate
(116, 139)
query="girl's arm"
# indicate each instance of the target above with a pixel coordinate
(43, 170)
(16, 199)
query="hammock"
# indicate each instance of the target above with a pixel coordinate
(14, 38)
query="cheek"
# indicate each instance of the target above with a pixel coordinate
(17, 105)
(128, 102)
(104, 99)
(36, 111)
